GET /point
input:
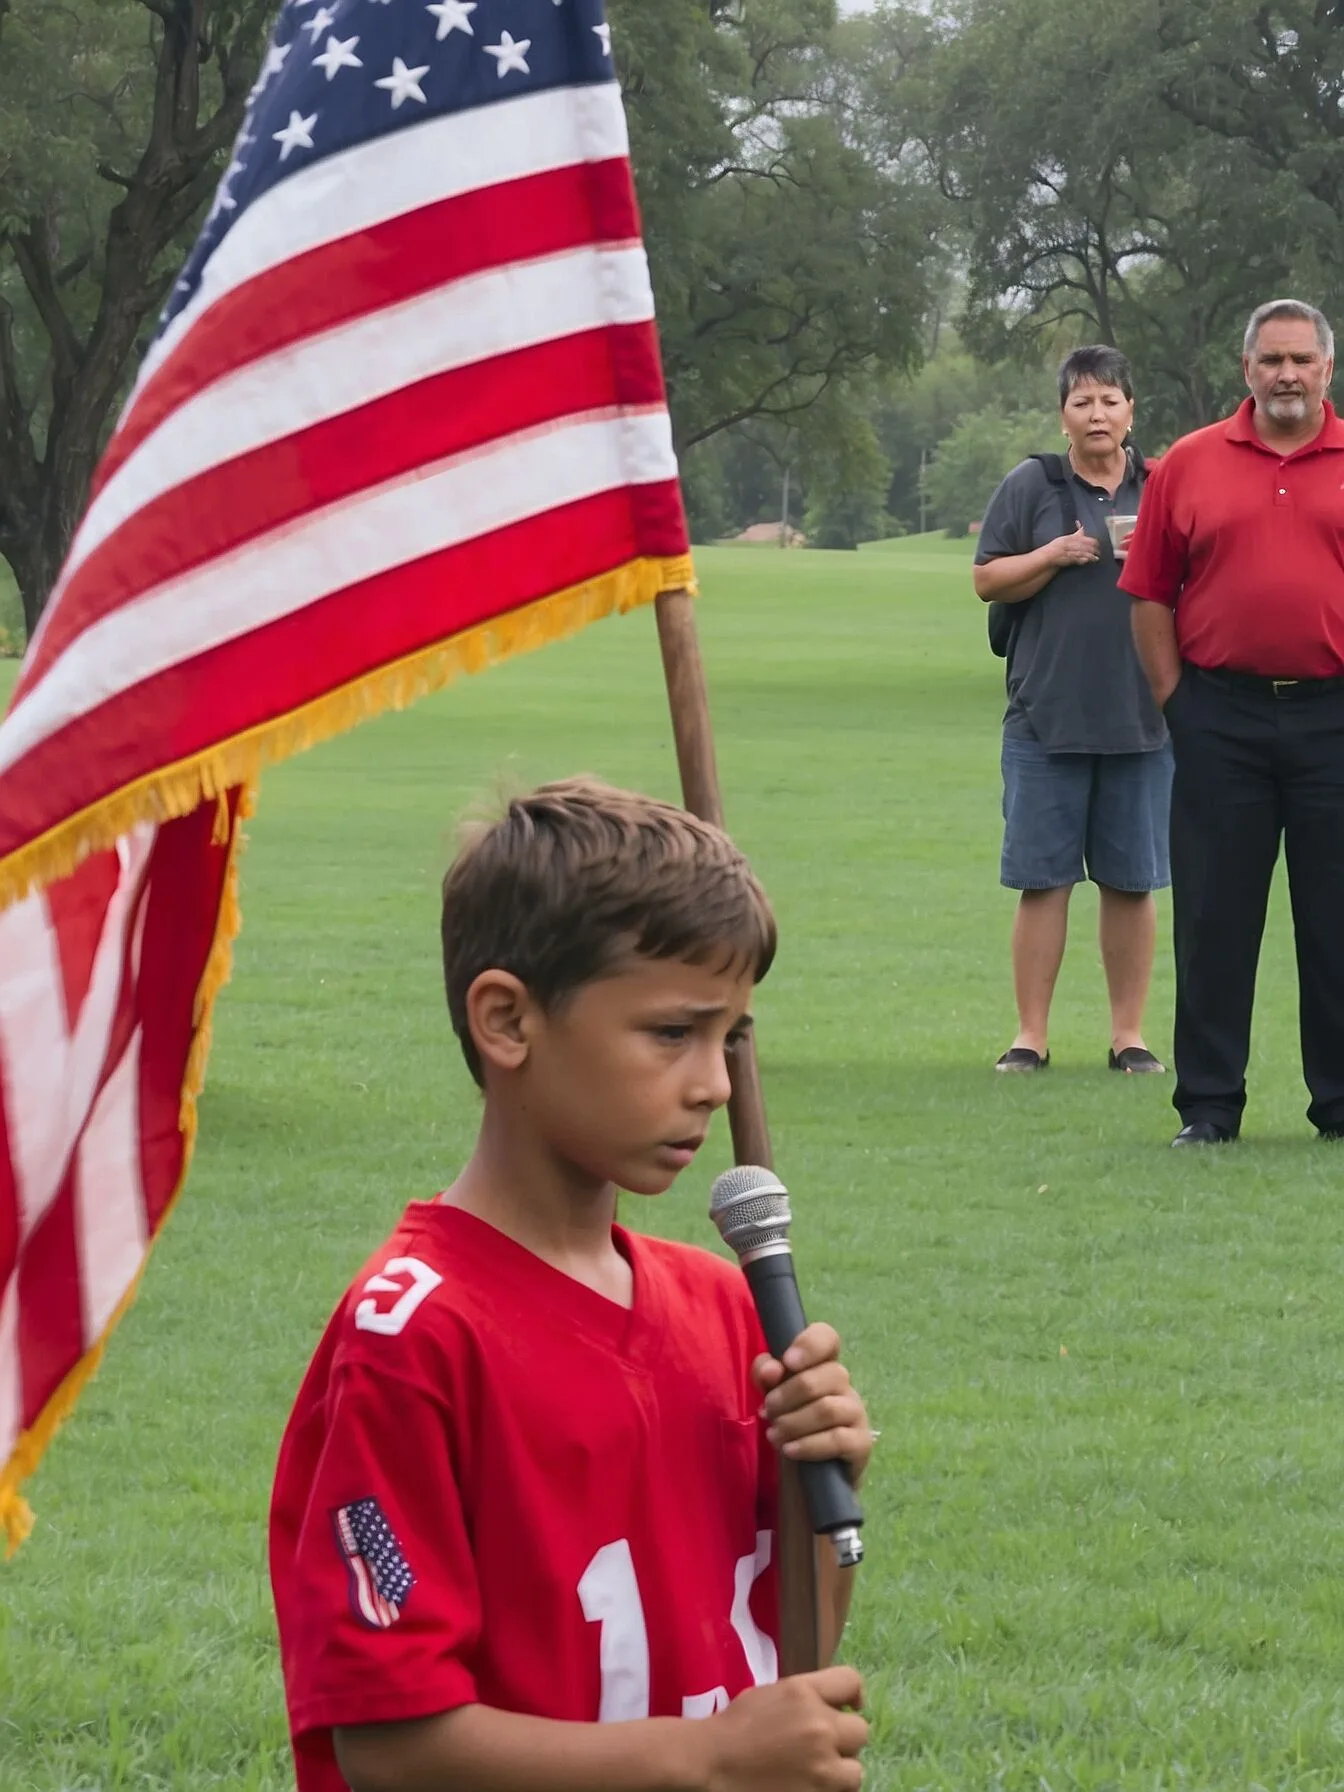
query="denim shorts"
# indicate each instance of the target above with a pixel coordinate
(1070, 815)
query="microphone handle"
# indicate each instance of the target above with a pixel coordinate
(831, 1501)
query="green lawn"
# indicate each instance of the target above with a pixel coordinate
(1105, 1547)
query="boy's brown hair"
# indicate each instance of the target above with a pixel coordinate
(577, 874)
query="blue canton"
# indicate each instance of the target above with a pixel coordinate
(339, 73)
(379, 1548)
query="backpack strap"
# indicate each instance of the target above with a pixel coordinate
(1004, 620)
(1060, 475)
(1057, 470)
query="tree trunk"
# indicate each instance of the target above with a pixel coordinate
(47, 505)
(35, 562)
(42, 496)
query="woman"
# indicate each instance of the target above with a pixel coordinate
(1086, 761)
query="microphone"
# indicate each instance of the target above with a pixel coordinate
(750, 1207)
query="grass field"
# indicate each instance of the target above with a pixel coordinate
(1105, 1547)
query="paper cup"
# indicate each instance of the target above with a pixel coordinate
(1120, 528)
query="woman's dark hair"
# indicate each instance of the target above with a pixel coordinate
(1107, 366)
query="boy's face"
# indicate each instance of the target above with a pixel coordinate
(623, 1077)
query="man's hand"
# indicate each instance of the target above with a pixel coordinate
(1154, 628)
(1076, 549)
(797, 1736)
(811, 1407)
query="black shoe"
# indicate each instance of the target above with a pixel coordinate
(1137, 1060)
(1203, 1132)
(1330, 1132)
(1021, 1058)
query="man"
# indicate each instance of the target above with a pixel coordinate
(1238, 566)
(1086, 771)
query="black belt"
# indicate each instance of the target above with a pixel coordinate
(1270, 687)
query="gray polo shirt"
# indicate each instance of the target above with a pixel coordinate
(1074, 679)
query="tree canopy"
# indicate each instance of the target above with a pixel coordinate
(1093, 210)
(830, 207)
(785, 258)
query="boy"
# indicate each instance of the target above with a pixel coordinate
(523, 1523)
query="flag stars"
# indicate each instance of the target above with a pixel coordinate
(509, 54)
(337, 56)
(403, 83)
(322, 20)
(453, 15)
(224, 199)
(273, 65)
(602, 33)
(297, 134)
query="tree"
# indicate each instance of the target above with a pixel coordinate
(825, 467)
(1269, 78)
(762, 461)
(972, 460)
(784, 259)
(710, 511)
(1093, 210)
(848, 476)
(913, 415)
(114, 119)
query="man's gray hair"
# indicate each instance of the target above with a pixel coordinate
(1307, 314)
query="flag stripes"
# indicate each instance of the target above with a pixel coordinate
(405, 416)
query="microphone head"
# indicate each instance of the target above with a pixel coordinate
(750, 1207)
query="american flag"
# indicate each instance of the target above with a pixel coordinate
(404, 415)
(380, 1576)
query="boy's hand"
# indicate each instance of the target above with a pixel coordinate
(811, 1406)
(796, 1736)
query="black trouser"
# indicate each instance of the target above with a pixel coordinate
(1252, 765)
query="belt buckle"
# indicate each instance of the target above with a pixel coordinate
(1280, 685)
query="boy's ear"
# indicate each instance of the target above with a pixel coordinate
(501, 1014)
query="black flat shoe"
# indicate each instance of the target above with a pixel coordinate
(1021, 1058)
(1203, 1132)
(1137, 1060)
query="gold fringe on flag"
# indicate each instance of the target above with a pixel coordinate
(203, 777)
(208, 776)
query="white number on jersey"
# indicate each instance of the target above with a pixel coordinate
(392, 1279)
(705, 1704)
(609, 1594)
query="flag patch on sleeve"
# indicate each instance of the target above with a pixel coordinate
(380, 1576)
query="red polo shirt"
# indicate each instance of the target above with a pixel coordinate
(1247, 546)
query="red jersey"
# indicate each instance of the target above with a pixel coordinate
(1247, 545)
(499, 1487)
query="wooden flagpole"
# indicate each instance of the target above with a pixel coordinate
(688, 698)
